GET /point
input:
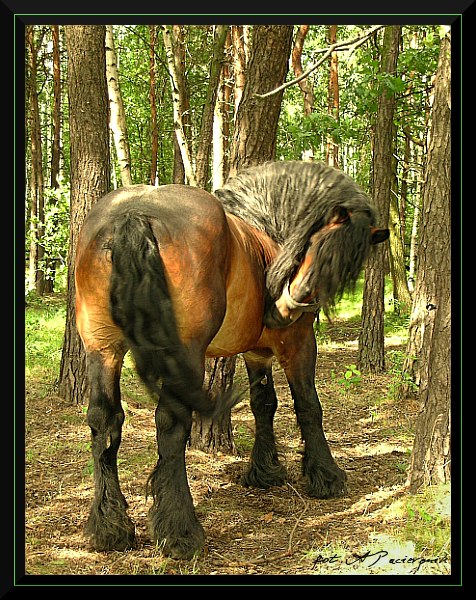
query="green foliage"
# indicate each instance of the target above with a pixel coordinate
(244, 439)
(400, 378)
(428, 519)
(54, 236)
(44, 329)
(419, 542)
(350, 377)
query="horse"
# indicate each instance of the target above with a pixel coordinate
(176, 274)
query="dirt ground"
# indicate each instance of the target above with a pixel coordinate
(279, 531)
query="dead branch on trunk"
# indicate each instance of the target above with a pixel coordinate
(346, 45)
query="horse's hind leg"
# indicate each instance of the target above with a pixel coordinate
(265, 469)
(174, 525)
(108, 525)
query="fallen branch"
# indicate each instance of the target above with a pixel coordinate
(346, 45)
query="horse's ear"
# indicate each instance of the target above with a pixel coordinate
(378, 235)
(339, 215)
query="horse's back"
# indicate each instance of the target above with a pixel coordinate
(179, 208)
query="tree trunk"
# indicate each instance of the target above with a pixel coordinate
(332, 149)
(253, 143)
(173, 42)
(215, 435)
(56, 148)
(239, 64)
(304, 84)
(430, 333)
(179, 175)
(221, 123)
(90, 173)
(254, 136)
(153, 106)
(116, 108)
(371, 354)
(401, 294)
(296, 59)
(36, 273)
(206, 127)
(415, 223)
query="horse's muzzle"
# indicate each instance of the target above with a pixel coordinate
(286, 310)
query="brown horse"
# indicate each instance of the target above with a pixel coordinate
(176, 274)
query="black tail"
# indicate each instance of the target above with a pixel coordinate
(141, 306)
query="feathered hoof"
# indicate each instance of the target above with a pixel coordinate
(106, 535)
(274, 475)
(183, 547)
(326, 483)
(177, 533)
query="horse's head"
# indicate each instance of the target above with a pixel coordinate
(331, 262)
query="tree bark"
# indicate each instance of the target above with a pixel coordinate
(239, 63)
(332, 149)
(213, 435)
(254, 137)
(55, 150)
(401, 294)
(116, 110)
(296, 59)
(221, 122)
(36, 273)
(153, 106)
(430, 332)
(371, 353)
(206, 127)
(90, 174)
(415, 225)
(175, 62)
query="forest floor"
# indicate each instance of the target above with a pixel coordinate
(372, 529)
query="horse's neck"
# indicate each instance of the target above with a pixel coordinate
(256, 243)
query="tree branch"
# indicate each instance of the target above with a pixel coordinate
(346, 45)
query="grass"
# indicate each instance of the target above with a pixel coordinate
(417, 541)
(44, 330)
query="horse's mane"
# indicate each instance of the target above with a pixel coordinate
(289, 201)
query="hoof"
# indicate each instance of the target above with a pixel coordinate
(184, 547)
(106, 535)
(181, 548)
(264, 478)
(180, 538)
(326, 482)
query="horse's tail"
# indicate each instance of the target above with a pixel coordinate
(142, 307)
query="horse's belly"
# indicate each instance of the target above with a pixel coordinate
(242, 325)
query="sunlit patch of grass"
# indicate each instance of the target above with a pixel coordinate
(427, 518)
(44, 329)
(416, 542)
(244, 439)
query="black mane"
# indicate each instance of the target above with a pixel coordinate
(291, 200)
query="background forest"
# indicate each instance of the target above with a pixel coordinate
(194, 104)
(330, 116)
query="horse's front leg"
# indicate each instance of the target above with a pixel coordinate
(174, 525)
(298, 359)
(109, 526)
(264, 469)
